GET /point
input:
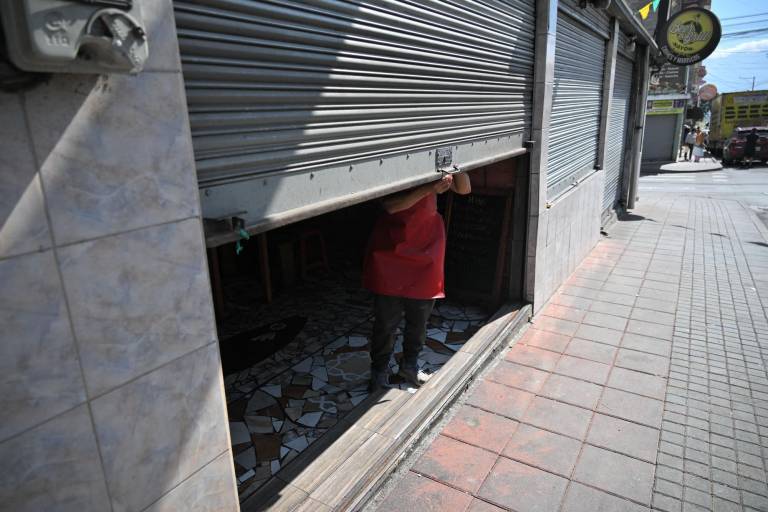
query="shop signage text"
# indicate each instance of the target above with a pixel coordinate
(663, 107)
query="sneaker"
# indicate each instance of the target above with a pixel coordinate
(379, 380)
(411, 376)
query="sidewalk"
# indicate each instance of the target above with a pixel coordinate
(641, 385)
(704, 164)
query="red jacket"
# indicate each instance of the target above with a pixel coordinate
(406, 253)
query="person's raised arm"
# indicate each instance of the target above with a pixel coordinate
(461, 183)
(404, 200)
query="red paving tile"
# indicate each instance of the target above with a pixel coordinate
(523, 488)
(599, 334)
(482, 506)
(500, 399)
(642, 362)
(481, 428)
(518, 376)
(605, 320)
(663, 332)
(592, 350)
(564, 312)
(532, 356)
(583, 369)
(639, 383)
(456, 463)
(646, 344)
(415, 492)
(547, 323)
(624, 437)
(546, 340)
(632, 407)
(558, 417)
(545, 450)
(572, 391)
(571, 301)
(611, 309)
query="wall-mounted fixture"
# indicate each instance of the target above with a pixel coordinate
(77, 36)
(631, 44)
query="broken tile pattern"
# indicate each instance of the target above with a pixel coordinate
(283, 404)
(644, 379)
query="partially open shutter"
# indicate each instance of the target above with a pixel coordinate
(283, 86)
(617, 131)
(576, 103)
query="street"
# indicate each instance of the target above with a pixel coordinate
(642, 385)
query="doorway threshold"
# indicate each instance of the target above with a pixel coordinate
(344, 468)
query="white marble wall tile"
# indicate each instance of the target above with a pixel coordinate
(23, 226)
(158, 430)
(39, 373)
(161, 35)
(116, 153)
(54, 467)
(209, 490)
(138, 300)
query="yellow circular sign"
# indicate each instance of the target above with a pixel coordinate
(690, 36)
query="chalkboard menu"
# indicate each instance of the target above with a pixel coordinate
(475, 234)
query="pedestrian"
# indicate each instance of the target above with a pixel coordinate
(750, 146)
(698, 150)
(404, 269)
(682, 153)
(690, 140)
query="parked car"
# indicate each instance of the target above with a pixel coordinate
(733, 151)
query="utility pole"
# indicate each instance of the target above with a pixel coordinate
(663, 16)
(747, 78)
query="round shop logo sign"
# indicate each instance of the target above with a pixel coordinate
(690, 36)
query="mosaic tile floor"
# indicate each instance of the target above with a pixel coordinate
(281, 405)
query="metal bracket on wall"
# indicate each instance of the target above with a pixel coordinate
(230, 222)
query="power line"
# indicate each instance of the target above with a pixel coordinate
(728, 52)
(745, 16)
(745, 33)
(729, 25)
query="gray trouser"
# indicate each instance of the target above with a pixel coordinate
(388, 312)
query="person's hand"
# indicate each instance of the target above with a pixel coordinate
(443, 184)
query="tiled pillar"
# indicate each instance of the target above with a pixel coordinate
(110, 379)
(642, 76)
(544, 72)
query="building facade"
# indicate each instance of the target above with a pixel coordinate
(250, 117)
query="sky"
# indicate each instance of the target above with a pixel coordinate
(737, 59)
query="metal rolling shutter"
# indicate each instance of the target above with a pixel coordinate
(283, 86)
(617, 131)
(576, 103)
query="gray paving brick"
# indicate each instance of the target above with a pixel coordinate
(725, 477)
(666, 503)
(697, 497)
(755, 501)
(668, 488)
(725, 492)
(721, 505)
(753, 486)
